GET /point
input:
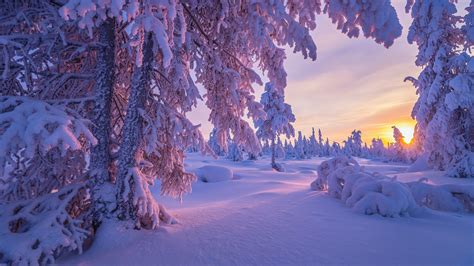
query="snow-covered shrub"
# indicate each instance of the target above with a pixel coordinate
(42, 145)
(214, 173)
(364, 192)
(371, 193)
(35, 231)
(329, 166)
(451, 197)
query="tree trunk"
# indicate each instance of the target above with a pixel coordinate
(133, 134)
(100, 160)
(273, 153)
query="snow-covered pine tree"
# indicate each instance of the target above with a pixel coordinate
(43, 151)
(335, 149)
(321, 143)
(356, 143)
(398, 149)
(289, 150)
(306, 147)
(277, 121)
(327, 148)
(313, 143)
(299, 147)
(444, 120)
(221, 43)
(377, 149)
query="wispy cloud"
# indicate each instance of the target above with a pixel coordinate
(354, 84)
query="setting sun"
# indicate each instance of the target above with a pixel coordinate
(407, 132)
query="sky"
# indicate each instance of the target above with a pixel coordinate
(354, 84)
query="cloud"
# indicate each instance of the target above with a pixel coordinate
(354, 84)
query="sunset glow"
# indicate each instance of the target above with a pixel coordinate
(407, 132)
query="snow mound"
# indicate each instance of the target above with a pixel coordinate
(366, 193)
(450, 197)
(214, 173)
(306, 171)
(421, 164)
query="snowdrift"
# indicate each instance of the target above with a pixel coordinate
(373, 193)
(454, 198)
(214, 173)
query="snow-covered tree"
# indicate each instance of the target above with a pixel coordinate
(327, 148)
(299, 147)
(397, 151)
(126, 65)
(321, 143)
(444, 108)
(277, 121)
(235, 152)
(43, 151)
(377, 149)
(289, 150)
(42, 147)
(336, 149)
(313, 144)
(214, 144)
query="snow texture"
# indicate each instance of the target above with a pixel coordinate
(265, 217)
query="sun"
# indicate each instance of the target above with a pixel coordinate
(407, 132)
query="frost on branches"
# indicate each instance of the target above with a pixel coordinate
(35, 232)
(126, 66)
(42, 148)
(277, 121)
(444, 110)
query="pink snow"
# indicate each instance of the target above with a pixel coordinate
(263, 217)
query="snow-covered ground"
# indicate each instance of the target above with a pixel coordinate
(262, 217)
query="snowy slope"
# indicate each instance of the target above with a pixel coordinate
(263, 217)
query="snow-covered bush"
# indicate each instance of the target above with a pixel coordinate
(43, 146)
(451, 197)
(36, 231)
(214, 173)
(364, 192)
(371, 193)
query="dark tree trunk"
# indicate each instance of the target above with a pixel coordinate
(100, 160)
(133, 133)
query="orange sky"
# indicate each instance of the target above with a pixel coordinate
(354, 84)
